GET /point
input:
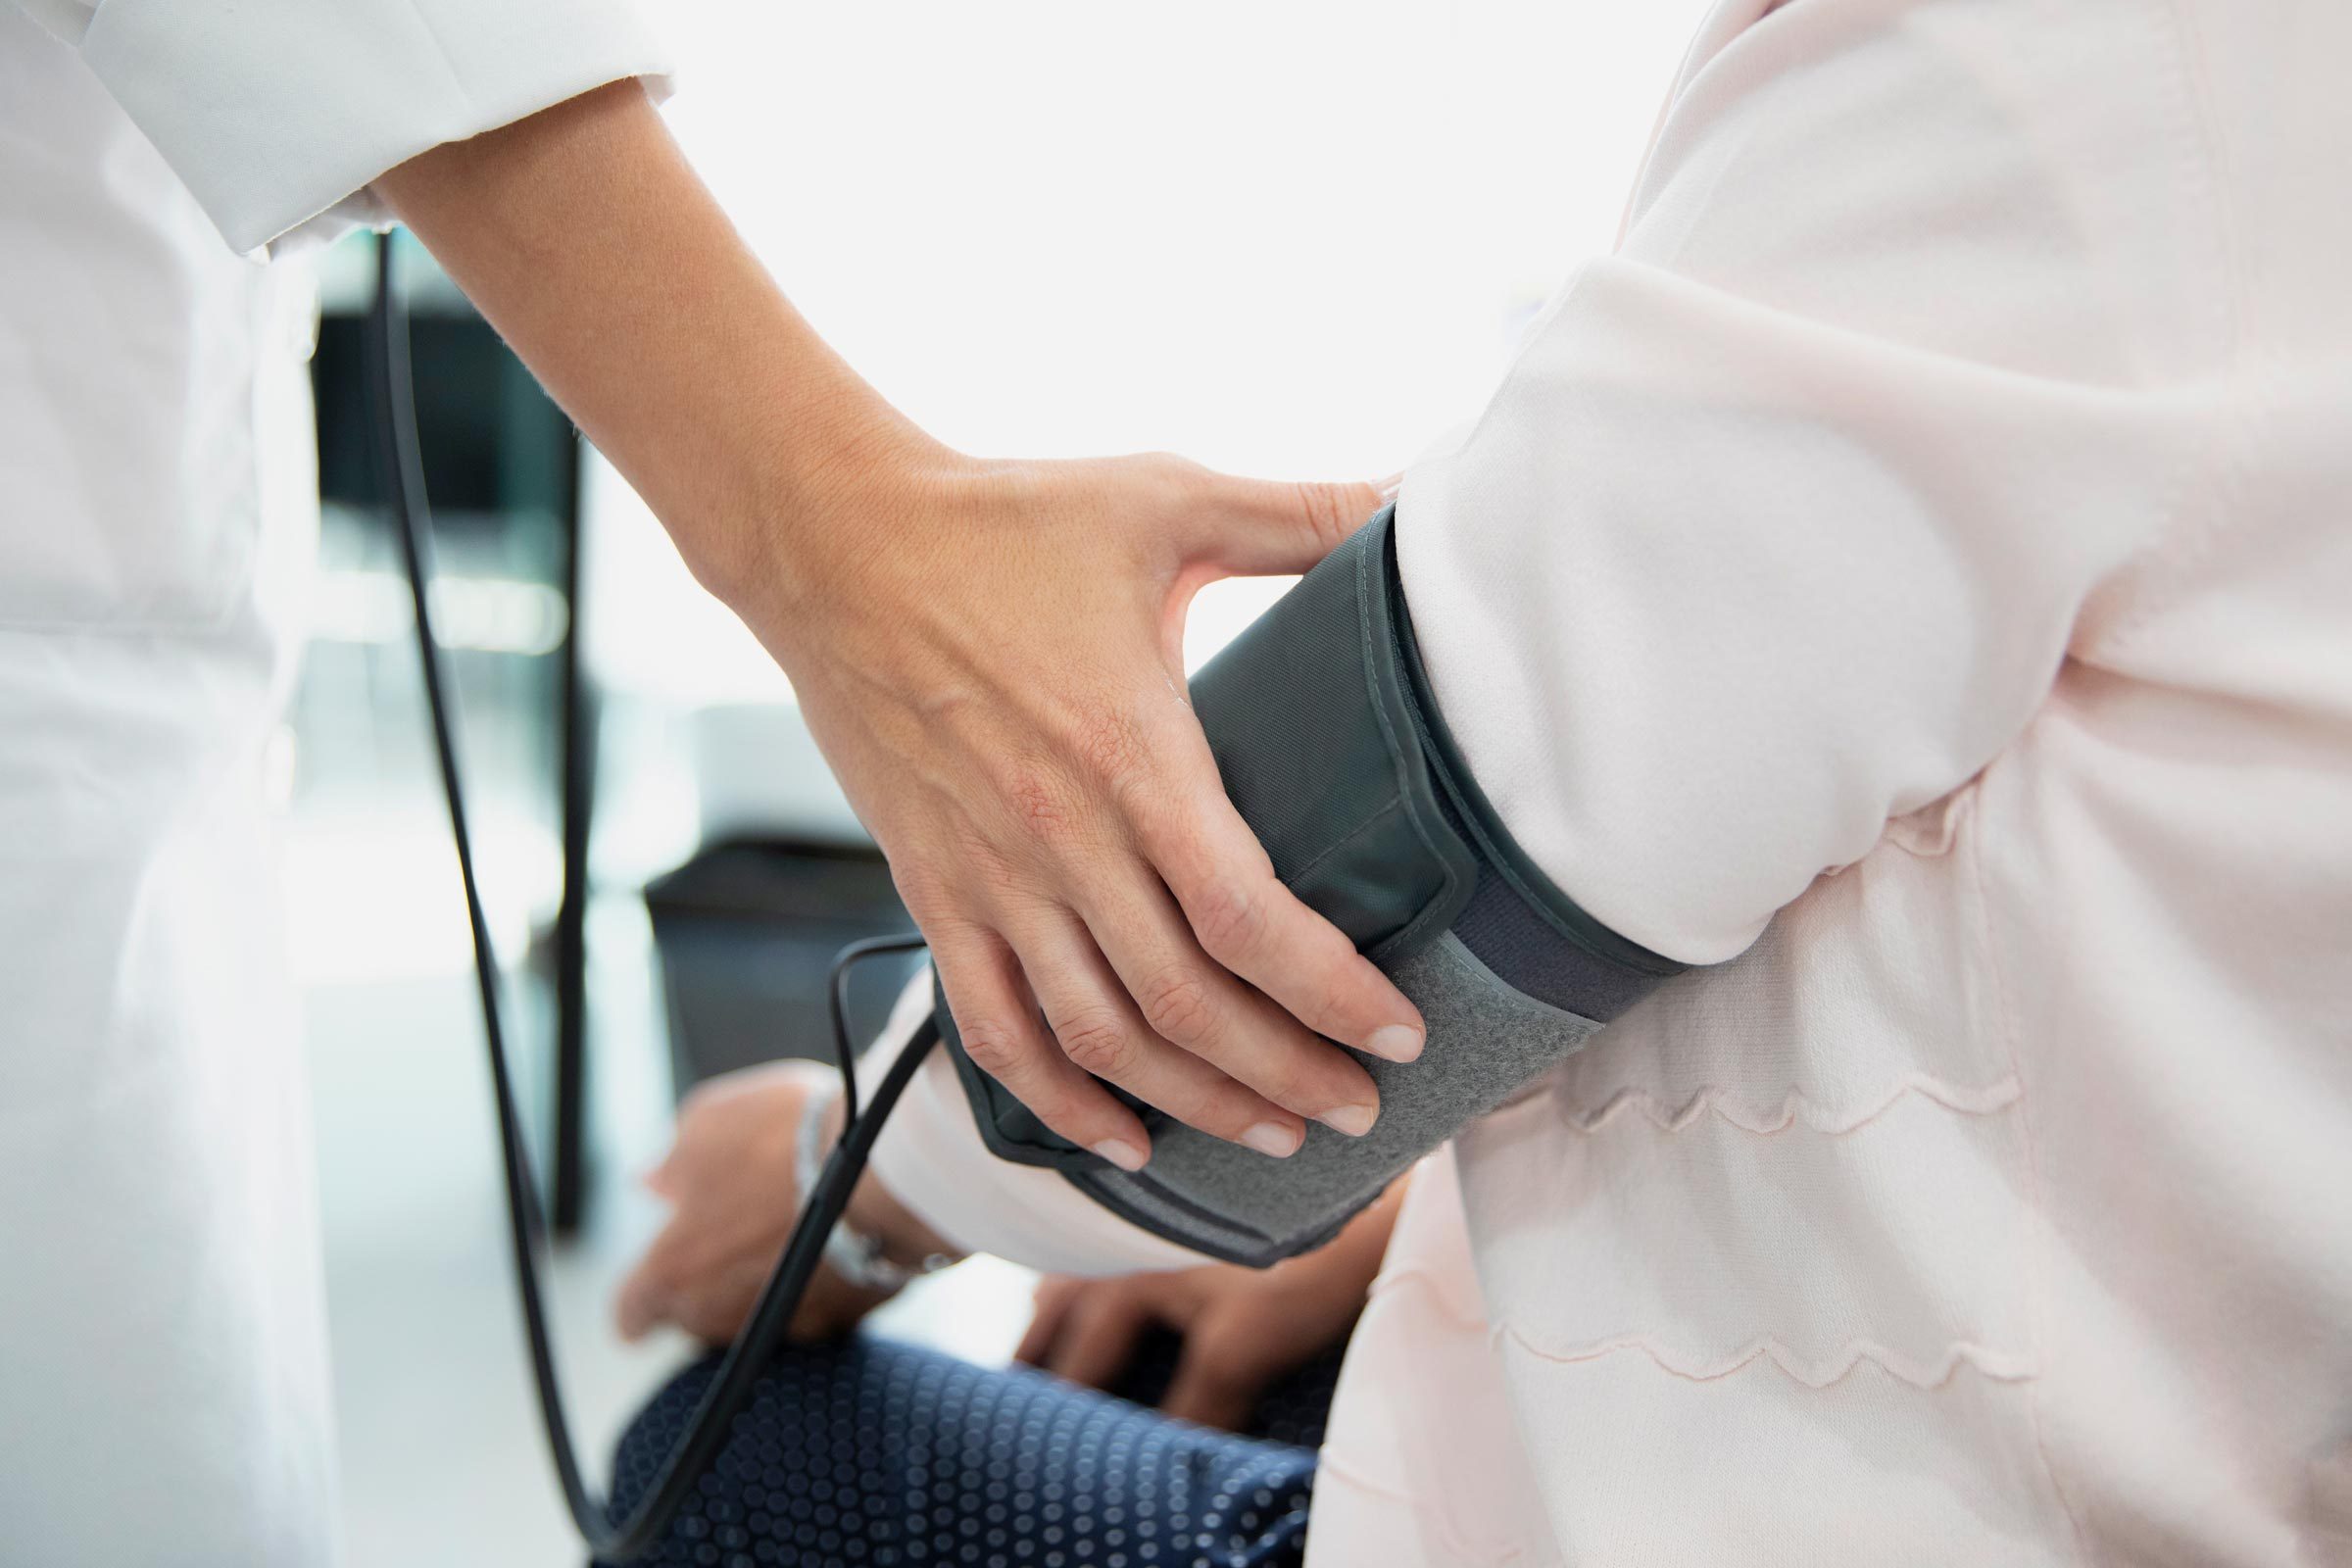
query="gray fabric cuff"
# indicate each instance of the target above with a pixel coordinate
(1333, 750)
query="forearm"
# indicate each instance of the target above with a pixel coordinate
(984, 650)
(930, 1166)
(933, 1188)
(585, 237)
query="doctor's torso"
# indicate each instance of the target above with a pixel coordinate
(162, 1328)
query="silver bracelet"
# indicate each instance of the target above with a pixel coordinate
(854, 1255)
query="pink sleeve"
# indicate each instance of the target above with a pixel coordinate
(1788, 515)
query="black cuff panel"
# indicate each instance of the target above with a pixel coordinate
(1332, 748)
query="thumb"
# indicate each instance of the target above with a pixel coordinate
(1262, 527)
(640, 1309)
(660, 1179)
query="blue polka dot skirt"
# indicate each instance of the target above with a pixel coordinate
(869, 1452)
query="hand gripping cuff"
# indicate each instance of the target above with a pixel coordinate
(1331, 749)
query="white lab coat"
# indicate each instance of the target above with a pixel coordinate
(163, 1367)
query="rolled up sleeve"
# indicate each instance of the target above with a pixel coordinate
(931, 1158)
(278, 112)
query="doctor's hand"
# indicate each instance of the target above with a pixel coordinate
(990, 655)
(1242, 1329)
(986, 652)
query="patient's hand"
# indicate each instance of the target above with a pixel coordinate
(731, 1180)
(1242, 1328)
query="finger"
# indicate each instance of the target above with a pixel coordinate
(1247, 922)
(1056, 1294)
(684, 1253)
(644, 1302)
(1100, 1338)
(1190, 1002)
(1211, 1387)
(1097, 1027)
(1265, 526)
(996, 1018)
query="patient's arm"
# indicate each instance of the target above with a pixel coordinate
(732, 1181)
(931, 1162)
(733, 1177)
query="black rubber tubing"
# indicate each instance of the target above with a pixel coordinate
(764, 1332)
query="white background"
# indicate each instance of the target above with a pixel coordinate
(1285, 237)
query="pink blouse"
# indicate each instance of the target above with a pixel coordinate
(1928, 533)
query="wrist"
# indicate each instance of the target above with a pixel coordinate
(904, 1240)
(873, 1219)
(824, 484)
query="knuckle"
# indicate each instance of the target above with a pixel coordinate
(1325, 513)
(996, 870)
(1108, 743)
(1039, 805)
(1099, 1043)
(1321, 983)
(1230, 921)
(1177, 471)
(1171, 482)
(1179, 1007)
(921, 887)
(993, 1046)
(1170, 833)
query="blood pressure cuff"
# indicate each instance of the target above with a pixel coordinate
(1333, 751)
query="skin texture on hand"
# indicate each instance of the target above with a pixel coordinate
(988, 653)
(1020, 739)
(1242, 1329)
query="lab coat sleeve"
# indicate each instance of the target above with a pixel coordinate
(1792, 507)
(279, 114)
(930, 1157)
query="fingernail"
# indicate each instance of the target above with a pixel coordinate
(1122, 1153)
(1396, 1041)
(1353, 1120)
(1273, 1138)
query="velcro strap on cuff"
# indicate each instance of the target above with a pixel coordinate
(1310, 720)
